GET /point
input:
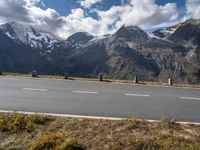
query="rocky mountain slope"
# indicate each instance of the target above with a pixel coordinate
(29, 35)
(16, 56)
(172, 52)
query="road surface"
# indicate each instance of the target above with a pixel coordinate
(99, 99)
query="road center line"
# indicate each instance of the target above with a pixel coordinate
(190, 98)
(33, 89)
(85, 92)
(141, 95)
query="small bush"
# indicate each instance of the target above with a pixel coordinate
(40, 119)
(17, 122)
(58, 141)
(168, 124)
(146, 143)
(132, 124)
(70, 144)
(177, 143)
(168, 143)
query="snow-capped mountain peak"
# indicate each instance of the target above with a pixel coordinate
(29, 35)
(165, 32)
(80, 38)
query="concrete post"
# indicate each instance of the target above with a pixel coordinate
(170, 82)
(101, 77)
(66, 75)
(34, 74)
(136, 80)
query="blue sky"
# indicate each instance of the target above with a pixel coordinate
(97, 17)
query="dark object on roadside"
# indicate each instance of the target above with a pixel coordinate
(101, 77)
(34, 74)
(170, 83)
(136, 80)
(66, 75)
(1, 73)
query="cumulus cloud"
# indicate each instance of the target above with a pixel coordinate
(26, 12)
(12, 10)
(88, 3)
(78, 21)
(145, 13)
(193, 8)
(32, 2)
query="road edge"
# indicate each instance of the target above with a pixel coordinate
(88, 117)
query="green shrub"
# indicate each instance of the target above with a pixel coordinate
(58, 141)
(177, 143)
(69, 144)
(40, 119)
(146, 143)
(167, 143)
(168, 124)
(132, 124)
(17, 122)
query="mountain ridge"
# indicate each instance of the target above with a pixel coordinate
(172, 52)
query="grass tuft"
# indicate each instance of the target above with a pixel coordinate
(37, 132)
(58, 141)
(14, 122)
(168, 124)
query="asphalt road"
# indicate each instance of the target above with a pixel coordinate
(99, 99)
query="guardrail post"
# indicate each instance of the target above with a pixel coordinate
(101, 77)
(66, 75)
(136, 80)
(170, 82)
(34, 74)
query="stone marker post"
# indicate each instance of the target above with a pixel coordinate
(101, 77)
(170, 82)
(66, 75)
(34, 74)
(136, 80)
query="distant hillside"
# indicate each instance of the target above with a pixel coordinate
(172, 52)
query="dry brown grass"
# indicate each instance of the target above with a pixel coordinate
(79, 134)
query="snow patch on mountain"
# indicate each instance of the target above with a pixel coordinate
(29, 35)
(99, 38)
(152, 35)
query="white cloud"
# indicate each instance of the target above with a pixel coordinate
(193, 8)
(77, 21)
(88, 3)
(145, 13)
(32, 2)
(26, 12)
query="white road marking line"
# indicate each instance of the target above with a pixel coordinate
(86, 117)
(85, 92)
(141, 95)
(190, 98)
(33, 89)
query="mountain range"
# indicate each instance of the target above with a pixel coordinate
(168, 52)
